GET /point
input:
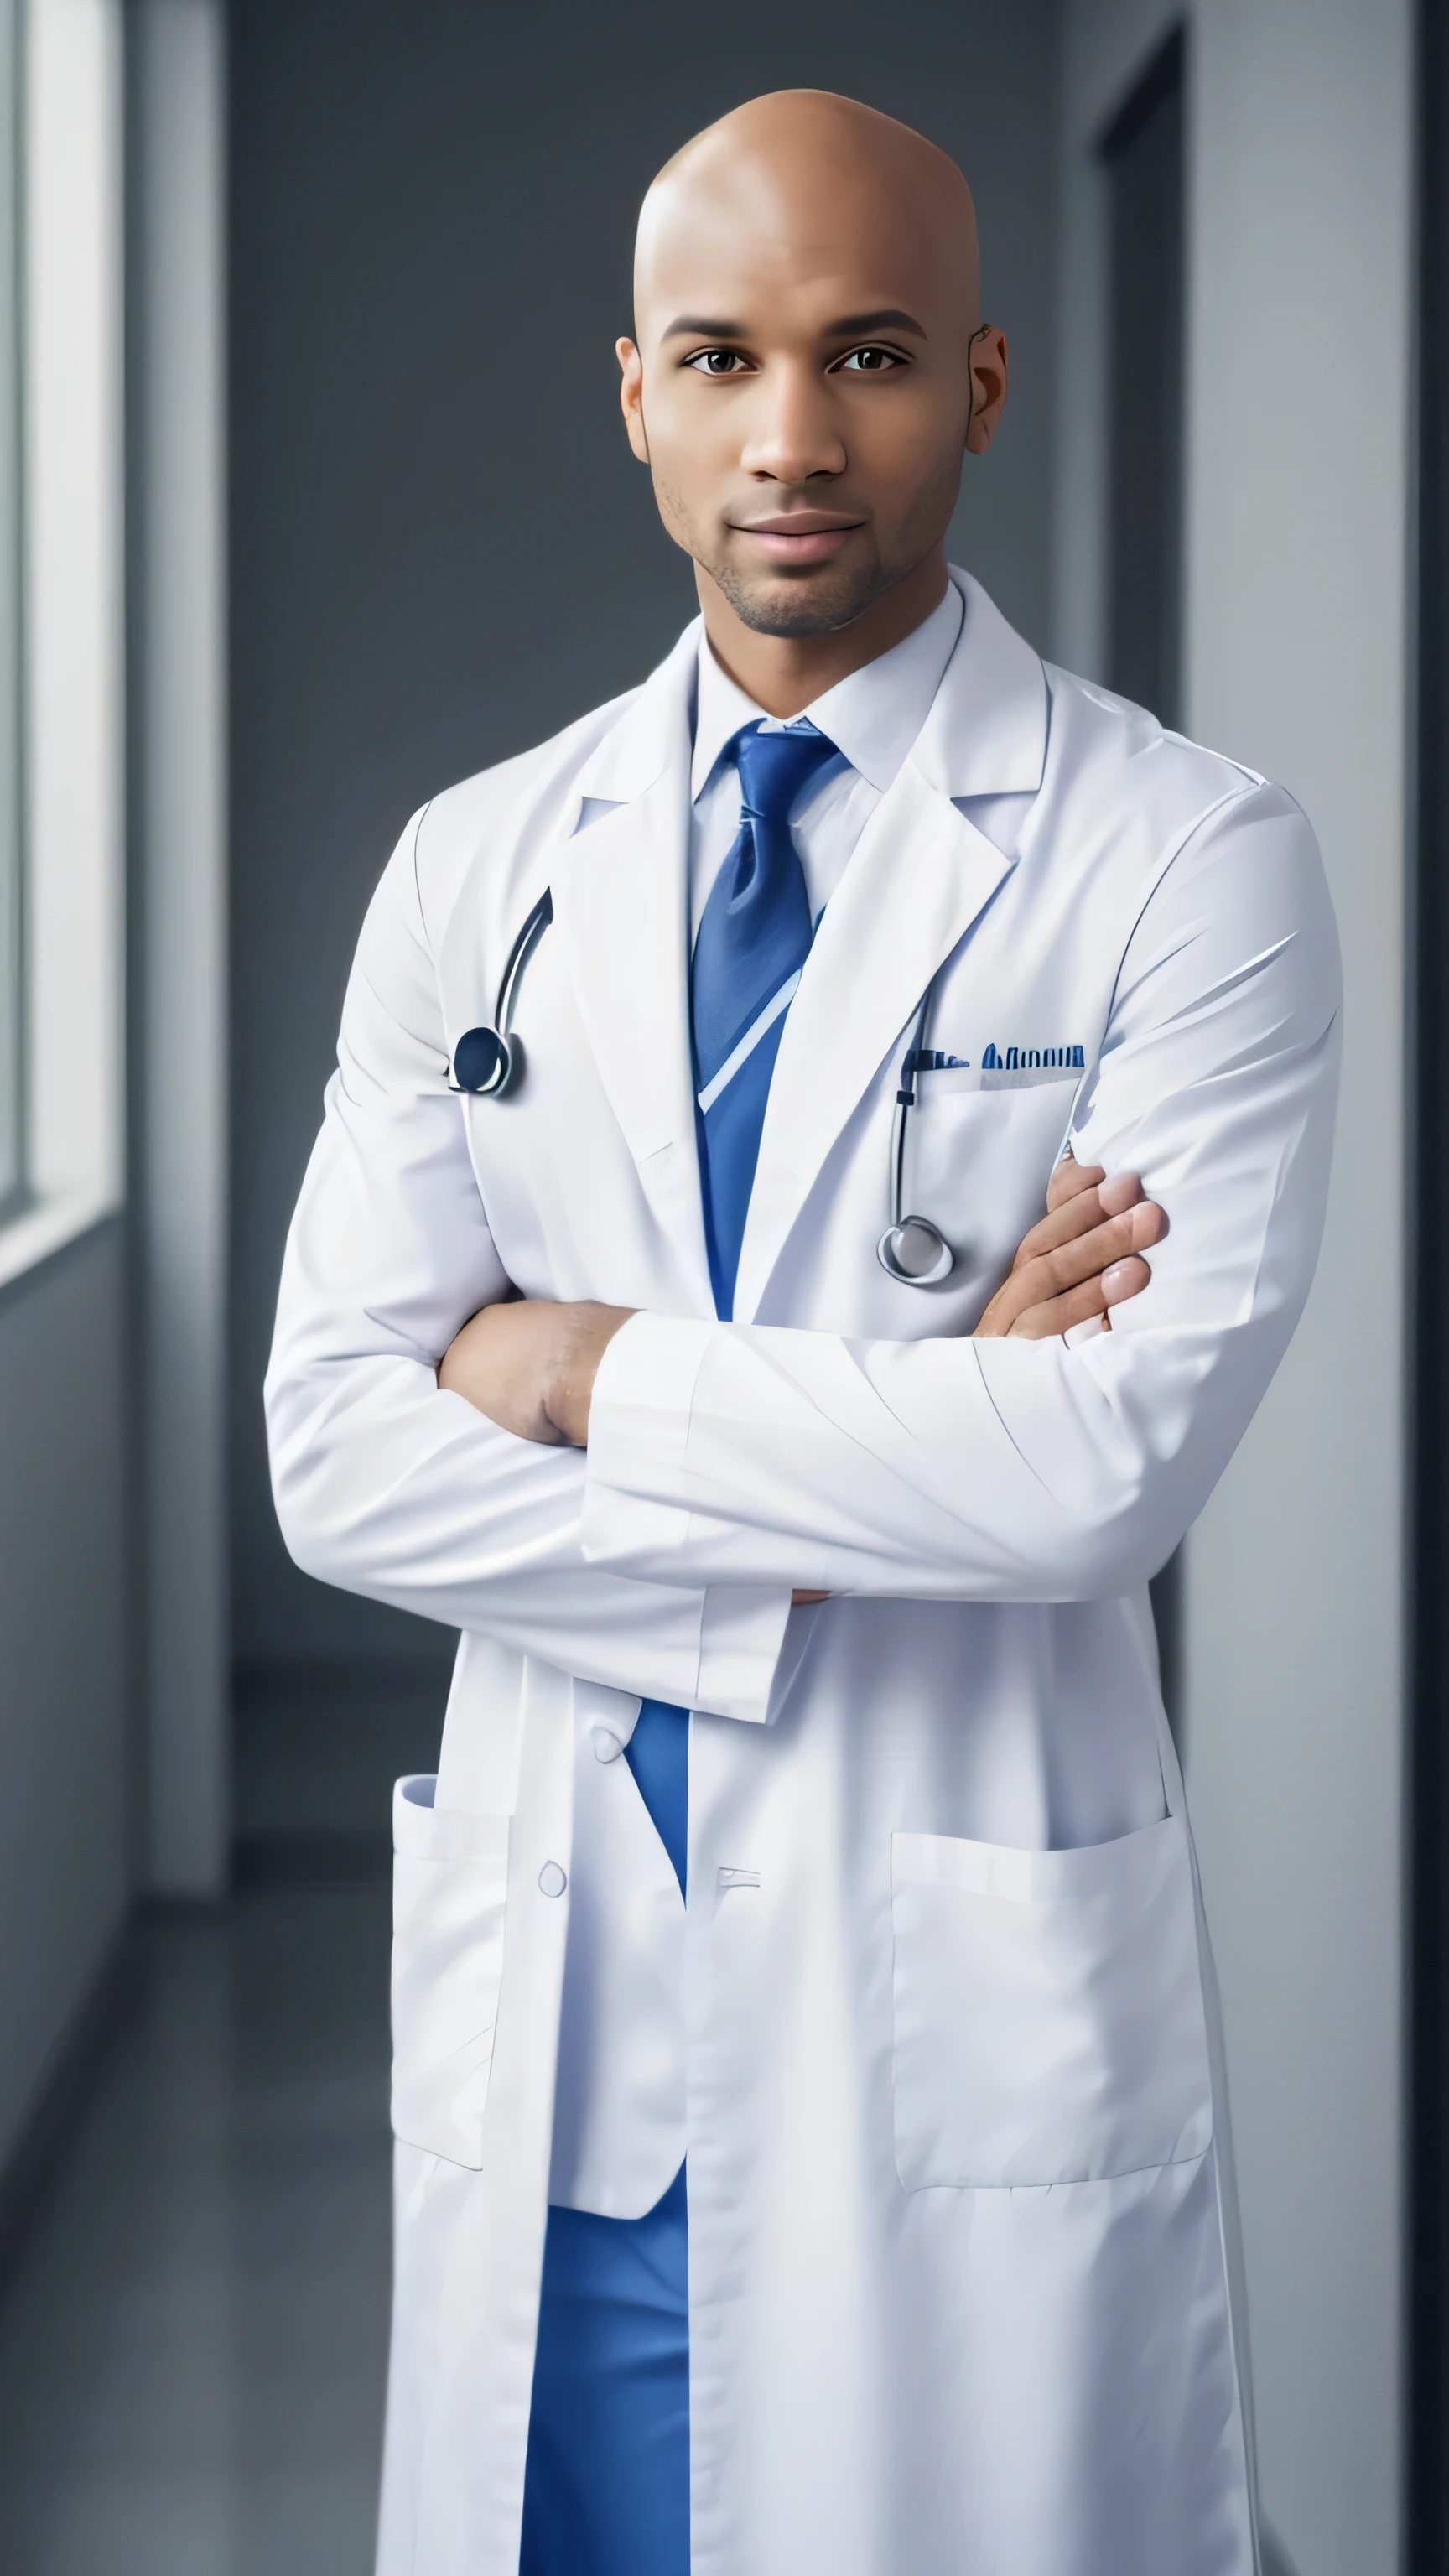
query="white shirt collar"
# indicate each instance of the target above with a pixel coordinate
(873, 716)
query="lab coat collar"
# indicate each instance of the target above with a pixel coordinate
(654, 729)
(621, 913)
(986, 732)
(873, 716)
(918, 878)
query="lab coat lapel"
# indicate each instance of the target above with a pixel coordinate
(919, 877)
(621, 910)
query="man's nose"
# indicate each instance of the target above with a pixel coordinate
(793, 432)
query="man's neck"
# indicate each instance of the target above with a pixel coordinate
(783, 673)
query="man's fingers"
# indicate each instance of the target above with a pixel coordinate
(1069, 1264)
(1082, 1237)
(1077, 1213)
(1069, 1178)
(1057, 1315)
(1053, 1274)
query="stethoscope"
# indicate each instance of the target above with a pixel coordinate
(487, 1062)
(913, 1249)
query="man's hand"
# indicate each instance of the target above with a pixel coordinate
(530, 1365)
(1082, 1259)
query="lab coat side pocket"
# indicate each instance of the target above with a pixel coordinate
(450, 1880)
(1049, 2020)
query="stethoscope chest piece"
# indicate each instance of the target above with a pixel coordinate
(486, 1063)
(489, 1061)
(915, 1252)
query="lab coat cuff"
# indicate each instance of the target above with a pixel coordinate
(741, 1634)
(638, 1433)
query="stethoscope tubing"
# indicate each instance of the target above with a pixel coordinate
(931, 1258)
(500, 1057)
(518, 957)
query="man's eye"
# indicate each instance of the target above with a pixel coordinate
(870, 362)
(716, 362)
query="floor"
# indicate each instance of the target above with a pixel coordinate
(193, 2338)
(192, 2341)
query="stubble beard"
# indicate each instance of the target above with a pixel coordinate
(819, 603)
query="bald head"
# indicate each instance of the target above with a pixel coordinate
(823, 177)
(809, 369)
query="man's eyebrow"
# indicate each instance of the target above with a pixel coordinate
(690, 327)
(851, 326)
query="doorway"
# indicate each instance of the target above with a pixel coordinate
(1142, 156)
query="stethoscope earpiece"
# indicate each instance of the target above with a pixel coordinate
(915, 1252)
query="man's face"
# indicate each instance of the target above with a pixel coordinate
(802, 390)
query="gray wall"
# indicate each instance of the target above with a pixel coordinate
(441, 549)
(64, 1719)
(1300, 154)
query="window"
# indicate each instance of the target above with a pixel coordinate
(12, 1015)
(62, 776)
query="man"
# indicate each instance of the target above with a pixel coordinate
(812, 2144)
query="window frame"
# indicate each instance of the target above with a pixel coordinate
(13, 1015)
(70, 692)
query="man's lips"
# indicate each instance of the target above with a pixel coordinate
(800, 536)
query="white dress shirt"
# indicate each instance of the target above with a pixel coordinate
(872, 717)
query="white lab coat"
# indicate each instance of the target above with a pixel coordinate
(939, 2020)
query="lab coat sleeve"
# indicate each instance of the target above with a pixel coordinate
(1016, 1470)
(392, 1488)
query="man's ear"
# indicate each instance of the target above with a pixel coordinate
(631, 396)
(986, 358)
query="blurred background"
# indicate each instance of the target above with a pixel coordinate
(313, 497)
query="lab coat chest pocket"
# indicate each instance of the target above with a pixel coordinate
(1049, 2022)
(980, 1158)
(450, 1877)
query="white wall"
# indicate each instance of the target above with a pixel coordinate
(1298, 444)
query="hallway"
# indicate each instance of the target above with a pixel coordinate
(193, 2336)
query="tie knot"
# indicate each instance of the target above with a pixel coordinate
(774, 768)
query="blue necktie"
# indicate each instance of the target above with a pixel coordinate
(753, 941)
(606, 2490)
(749, 954)
(754, 938)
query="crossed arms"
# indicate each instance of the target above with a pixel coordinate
(530, 1365)
(726, 1465)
